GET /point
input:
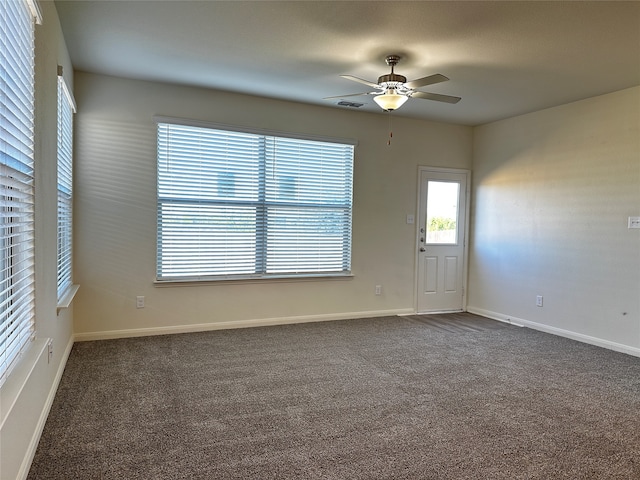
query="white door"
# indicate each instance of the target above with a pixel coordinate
(442, 220)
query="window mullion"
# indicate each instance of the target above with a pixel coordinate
(261, 210)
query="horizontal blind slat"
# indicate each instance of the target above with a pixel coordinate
(237, 204)
(65, 190)
(17, 302)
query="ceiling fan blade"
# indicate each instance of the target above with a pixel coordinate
(424, 81)
(360, 80)
(350, 95)
(436, 96)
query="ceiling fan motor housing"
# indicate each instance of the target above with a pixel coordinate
(391, 80)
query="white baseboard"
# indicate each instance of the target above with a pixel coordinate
(261, 322)
(618, 347)
(518, 322)
(44, 414)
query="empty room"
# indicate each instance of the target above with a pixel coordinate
(320, 239)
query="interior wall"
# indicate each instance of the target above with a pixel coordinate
(115, 210)
(552, 192)
(27, 394)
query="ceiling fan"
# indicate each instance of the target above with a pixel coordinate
(392, 90)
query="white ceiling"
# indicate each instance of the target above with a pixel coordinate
(503, 58)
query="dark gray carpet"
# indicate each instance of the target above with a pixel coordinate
(438, 397)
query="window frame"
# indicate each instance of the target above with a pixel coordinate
(17, 182)
(66, 110)
(261, 205)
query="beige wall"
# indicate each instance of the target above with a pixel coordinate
(115, 208)
(27, 394)
(552, 193)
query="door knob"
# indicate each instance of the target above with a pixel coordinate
(422, 249)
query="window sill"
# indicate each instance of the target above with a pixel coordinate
(248, 280)
(19, 376)
(67, 298)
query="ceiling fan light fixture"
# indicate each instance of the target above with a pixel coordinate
(390, 100)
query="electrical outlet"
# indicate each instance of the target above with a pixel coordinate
(49, 351)
(378, 289)
(539, 301)
(634, 222)
(140, 302)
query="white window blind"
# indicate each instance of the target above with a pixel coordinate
(17, 325)
(66, 109)
(247, 205)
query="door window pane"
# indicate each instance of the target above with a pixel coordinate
(442, 212)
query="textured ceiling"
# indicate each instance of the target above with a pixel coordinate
(503, 58)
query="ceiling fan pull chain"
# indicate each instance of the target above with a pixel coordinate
(390, 131)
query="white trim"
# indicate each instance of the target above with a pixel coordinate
(44, 414)
(465, 268)
(35, 11)
(252, 130)
(19, 377)
(598, 342)
(67, 298)
(437, 312)
(67, 92)
(518, 322)
(260, 322)
(198, 282)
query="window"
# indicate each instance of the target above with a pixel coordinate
(17, 324)
(233, 204)
(66, 109)
(442, 212)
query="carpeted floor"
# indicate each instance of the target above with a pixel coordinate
(438, 397)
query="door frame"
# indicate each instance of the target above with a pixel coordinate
(416, 244)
